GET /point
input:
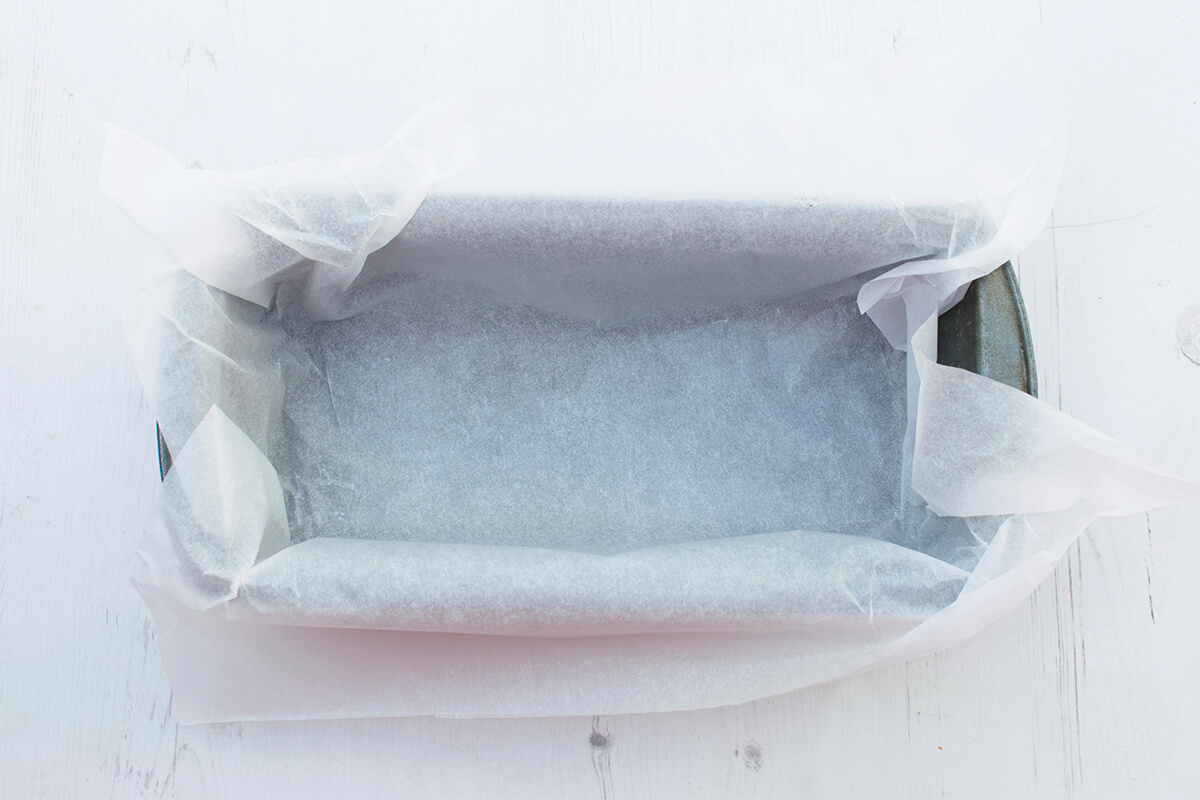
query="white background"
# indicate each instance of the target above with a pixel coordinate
(1091, 689)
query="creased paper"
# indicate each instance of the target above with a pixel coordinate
(565, 402)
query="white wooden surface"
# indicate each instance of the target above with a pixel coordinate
(1089, 690)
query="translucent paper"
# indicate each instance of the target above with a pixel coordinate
(563, 403)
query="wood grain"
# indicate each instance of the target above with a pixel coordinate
(1089, 690)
